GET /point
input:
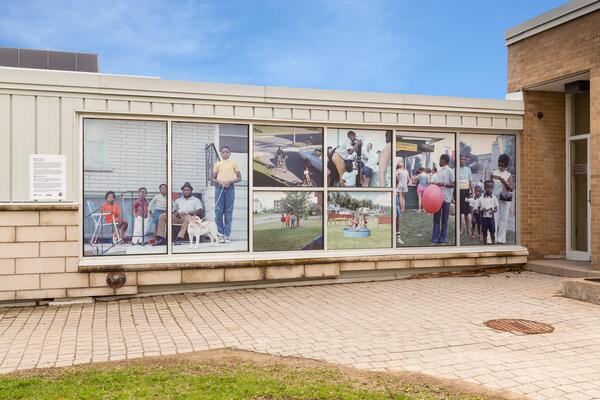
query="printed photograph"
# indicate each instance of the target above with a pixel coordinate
(359, 220)
(287, 220)
(487, 184)
(124, 186)
(359, 158)
(287, 156)
(425, 184)
(210, 189)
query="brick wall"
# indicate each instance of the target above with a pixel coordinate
(564, 50)
(542, 174)
(39, 257)
(136, 156)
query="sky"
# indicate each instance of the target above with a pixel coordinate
(268, 198)
(431, 47)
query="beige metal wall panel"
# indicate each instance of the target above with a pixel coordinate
(118, 105)
(70, 144)
(48, 125)
(5, 157)
(95, 104)
(141, 107)
(22, 144)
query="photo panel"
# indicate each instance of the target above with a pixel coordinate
(210, 188)
(124, 186)
(359, 158)
(487, 184)
(359, 220)
(425, 189)
(287, 220)
(287, 156)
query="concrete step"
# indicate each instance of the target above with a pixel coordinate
(566, 268)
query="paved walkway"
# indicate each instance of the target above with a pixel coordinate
(432, 326)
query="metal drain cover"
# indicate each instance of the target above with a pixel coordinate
(519, 326)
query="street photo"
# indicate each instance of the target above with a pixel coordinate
(287, 156)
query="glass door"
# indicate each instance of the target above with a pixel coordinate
(578, 199)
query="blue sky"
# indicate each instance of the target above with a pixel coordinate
(433, 47)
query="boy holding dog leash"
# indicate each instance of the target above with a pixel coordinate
(226, 173)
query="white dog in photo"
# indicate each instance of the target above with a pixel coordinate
(198, 228)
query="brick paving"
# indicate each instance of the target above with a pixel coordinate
(431, 326)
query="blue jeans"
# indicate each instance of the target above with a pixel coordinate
(224, 198)
(440, 230)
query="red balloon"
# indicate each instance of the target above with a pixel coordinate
(432, 199)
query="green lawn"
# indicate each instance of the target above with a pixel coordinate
(416, 230)
(269, 236)
(221, 375)
(381, 237)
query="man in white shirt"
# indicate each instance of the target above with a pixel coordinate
(445, 179)
(351, 150)
(184, 208)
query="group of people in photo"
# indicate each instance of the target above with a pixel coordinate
(289, 220)
(356, 162)
(484, 206)
(150, 218)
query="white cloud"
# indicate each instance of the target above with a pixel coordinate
(307, 43)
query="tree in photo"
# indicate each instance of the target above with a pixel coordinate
(296, 203)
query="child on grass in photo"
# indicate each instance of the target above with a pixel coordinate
(488, 206)
(349, 177)
(475, 214)
(402, 179)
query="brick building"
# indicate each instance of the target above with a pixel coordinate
(119, 133)
(554, 62)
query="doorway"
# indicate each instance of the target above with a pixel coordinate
(578, 177)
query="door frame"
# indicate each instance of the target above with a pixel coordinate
(576, 254)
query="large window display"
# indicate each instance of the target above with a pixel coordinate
(487, 183)
(124, 186)
(287, 156)
(287, 220)
(422, 196)
(425, 189)
(359, 158)
(210, 188)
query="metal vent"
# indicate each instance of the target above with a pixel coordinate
(46, 59)
(519, 326)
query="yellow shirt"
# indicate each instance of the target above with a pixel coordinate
(226, 170)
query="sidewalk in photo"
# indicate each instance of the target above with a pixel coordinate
(430, 326)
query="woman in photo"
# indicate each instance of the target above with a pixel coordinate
(422, 180)
(402, 179)
(503, 191)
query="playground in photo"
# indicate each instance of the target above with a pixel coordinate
(359, 220)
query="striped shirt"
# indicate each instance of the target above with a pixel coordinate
(158, 202)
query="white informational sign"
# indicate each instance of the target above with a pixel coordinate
(47, 177)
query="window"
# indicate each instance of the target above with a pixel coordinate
(381, 189)
(425, 184)
(95, 144)
(124, 186)
(210, 188)
(487, 183)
